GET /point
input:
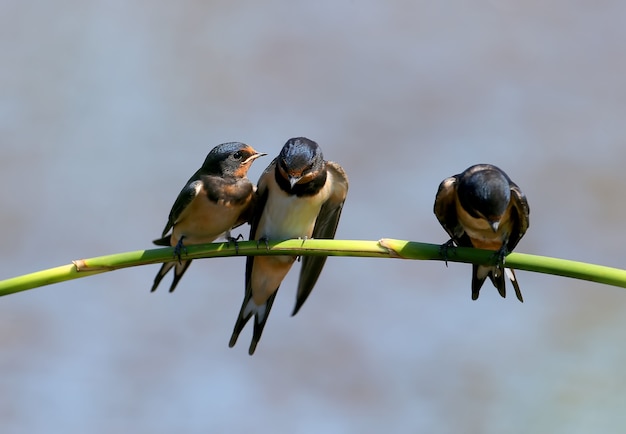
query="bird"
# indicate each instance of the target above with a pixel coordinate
(217, 198)
(482, 208)
(300, 195)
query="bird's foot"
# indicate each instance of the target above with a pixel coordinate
(179, 248)
(444, 248)
(499, 257)
(264, 240)
(233, 240)
(303, 239)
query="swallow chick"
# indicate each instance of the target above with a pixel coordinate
(483, 208)
(300, 195)
(216, 198)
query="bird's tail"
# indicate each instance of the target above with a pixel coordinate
(248, 309)
(165, 241)
(495, 274)
(179, 270)
(510, 273)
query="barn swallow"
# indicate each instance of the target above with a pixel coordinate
(216, 199)
(300, 195)
(483, 208)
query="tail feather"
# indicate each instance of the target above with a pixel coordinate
(248, 309)
(179, 270)
(497, 278)
(496, 275)
(479, 274)
(241, 322)
(165, 241)
(259, 324)
(510, 273)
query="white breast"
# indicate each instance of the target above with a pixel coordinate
(287, 216)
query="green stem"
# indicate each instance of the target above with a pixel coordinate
(518, 261)
(385, 248)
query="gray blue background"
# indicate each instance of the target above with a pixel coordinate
(107, 107)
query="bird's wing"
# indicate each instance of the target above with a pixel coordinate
(445, 209)
(260, 199)
(185, 197)
(325, 228)
(522, 212)
(254, 219)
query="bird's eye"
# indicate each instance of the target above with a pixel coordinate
(238, 155)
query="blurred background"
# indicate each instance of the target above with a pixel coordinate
(107, 107)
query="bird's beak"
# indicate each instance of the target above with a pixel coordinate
(254, 157)
(293, 180)
(494, 225)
